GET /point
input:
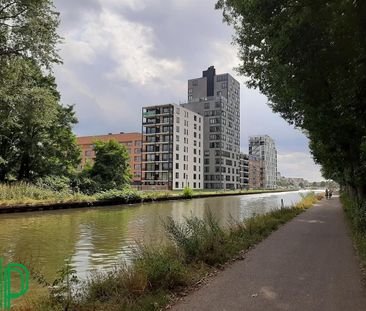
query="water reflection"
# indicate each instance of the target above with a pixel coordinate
(98, 237)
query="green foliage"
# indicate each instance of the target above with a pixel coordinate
(36, 136)
(111, 168)
(28, 30)
(188, 193)
(123, 196)
(28, 194)
(61, 290)
(308, 58)
(163, 267)
(54, 183)
(356, 214)
(199, 239)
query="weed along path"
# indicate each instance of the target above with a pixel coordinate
(308, 264)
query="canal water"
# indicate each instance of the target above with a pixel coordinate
(97, 238)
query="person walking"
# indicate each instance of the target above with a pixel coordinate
(326, 193)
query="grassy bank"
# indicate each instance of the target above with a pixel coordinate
(23, 194)
(158, 274)
(356, 214)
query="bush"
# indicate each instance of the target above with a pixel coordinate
(54, 183)
(356, 211)
(199, 239)
(124, 196)
(187, 193)
(163, 267)
(85, 184)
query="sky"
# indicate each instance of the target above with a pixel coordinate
(121, 55)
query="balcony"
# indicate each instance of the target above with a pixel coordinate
(149, 113)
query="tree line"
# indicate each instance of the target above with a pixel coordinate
(36, 138)
(309, 59)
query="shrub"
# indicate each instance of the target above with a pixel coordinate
(125, 196)
(54, 183)
(83, 183)
(199, 239)
(163, 267)
(187, 193)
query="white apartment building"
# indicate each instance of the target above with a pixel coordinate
(172, 148)
(263, 148)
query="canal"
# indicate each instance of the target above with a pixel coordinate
(97, 238)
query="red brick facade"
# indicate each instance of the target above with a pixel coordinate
(132, 141)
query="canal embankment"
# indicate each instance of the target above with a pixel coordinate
(32, 200)
(156, 274)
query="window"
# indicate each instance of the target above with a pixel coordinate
(88, 153)
(177, 138)
(137, 159)
(137, 167)
(177, 156)
(177, 166)
(207, 105)
(177, 129)
(221, 78)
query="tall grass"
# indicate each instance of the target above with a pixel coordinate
(159, 272)
(356, 214)
(25, 193)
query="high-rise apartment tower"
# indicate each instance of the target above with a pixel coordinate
(217, 99)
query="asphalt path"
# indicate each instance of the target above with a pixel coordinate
(308, 264)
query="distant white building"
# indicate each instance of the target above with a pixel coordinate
(263, 147)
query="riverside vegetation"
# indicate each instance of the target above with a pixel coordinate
(356, 214)
(51, 190)
(157, 274)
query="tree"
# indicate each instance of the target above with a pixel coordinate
(111, 167)
(35, 129)
(36, 136)
(28, 30)
(308, 58)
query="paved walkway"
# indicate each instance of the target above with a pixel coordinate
(308, 264)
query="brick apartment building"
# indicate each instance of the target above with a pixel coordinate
(132, 141)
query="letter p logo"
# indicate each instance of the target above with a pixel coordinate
(6, 295)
